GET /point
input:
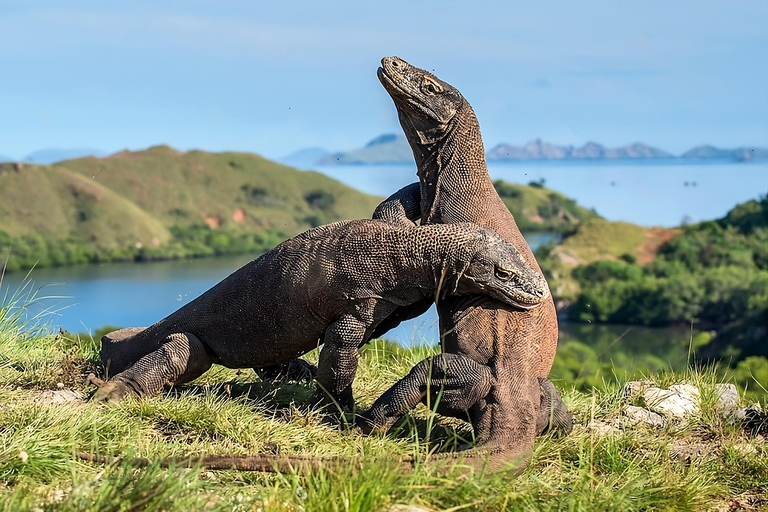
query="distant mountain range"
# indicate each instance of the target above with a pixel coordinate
(394, 149)
(53, 155)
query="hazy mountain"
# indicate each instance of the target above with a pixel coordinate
(384, 149)
(741, 154)
(542, 150)
(305, 158)
(53, 155)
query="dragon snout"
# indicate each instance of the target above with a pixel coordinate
(394, 62)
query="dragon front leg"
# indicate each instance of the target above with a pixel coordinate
(182, 357)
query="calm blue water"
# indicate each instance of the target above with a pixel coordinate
(128, 294)
(646, 193)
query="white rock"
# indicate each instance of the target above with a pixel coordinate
(678, 401)
(60, 396)
(727, 398)
(407, 508)
(637, 415)
(602, 428)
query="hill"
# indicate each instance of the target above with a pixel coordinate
(536, 208)
(739, 154)
(304, 158)
(541, 150)
(394, 149)
(713, 273)
(384, 149)
(162, 203)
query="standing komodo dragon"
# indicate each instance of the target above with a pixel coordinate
(515, 346)
(332, 285)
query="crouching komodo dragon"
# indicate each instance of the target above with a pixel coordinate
(511, 347)
(332, 285)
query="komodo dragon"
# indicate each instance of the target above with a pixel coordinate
(516, 346)
(333, 285)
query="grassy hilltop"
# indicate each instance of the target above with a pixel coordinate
(712, 274)
(162, 203)
(704, 463)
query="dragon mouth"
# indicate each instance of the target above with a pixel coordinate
(389, 83)
(524, 305)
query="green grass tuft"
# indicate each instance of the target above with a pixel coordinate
(232, 412)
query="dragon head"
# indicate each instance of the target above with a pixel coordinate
(495, 267)
(425, 104)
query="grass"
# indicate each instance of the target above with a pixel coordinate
(232, 412)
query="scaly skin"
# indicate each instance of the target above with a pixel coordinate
(517, 347)
(332, 285)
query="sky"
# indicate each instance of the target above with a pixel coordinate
(274, 77)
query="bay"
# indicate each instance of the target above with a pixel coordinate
(645, 192)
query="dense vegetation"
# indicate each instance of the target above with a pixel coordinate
(537, 208)
(714, 274)
(159, 204)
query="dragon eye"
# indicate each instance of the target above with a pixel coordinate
(503, 274)
(432, 88)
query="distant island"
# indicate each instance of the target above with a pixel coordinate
(394, 149)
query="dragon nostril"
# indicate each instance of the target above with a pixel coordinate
(396, 63)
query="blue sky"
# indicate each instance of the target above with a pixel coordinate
(273, 77)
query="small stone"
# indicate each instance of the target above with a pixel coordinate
(636, 388)
(640, 415)
(407, 508)
(601, 427)
(727, 398)
(745, 449)
(691, 452)
(678, 401)
(60, 396)
(23, 456)
(60, 385)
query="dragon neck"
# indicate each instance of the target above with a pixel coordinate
(455, 164)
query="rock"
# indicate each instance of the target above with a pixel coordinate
(691, 452)
(745, 449)
(678, 401)
(636, 388)
(407, 508)
(60, 396)
(755, 421)
(602, 428)
(727, 398)
(639, 415)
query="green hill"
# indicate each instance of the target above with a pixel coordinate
(541, 209)
(162, 203)
(713, 273)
